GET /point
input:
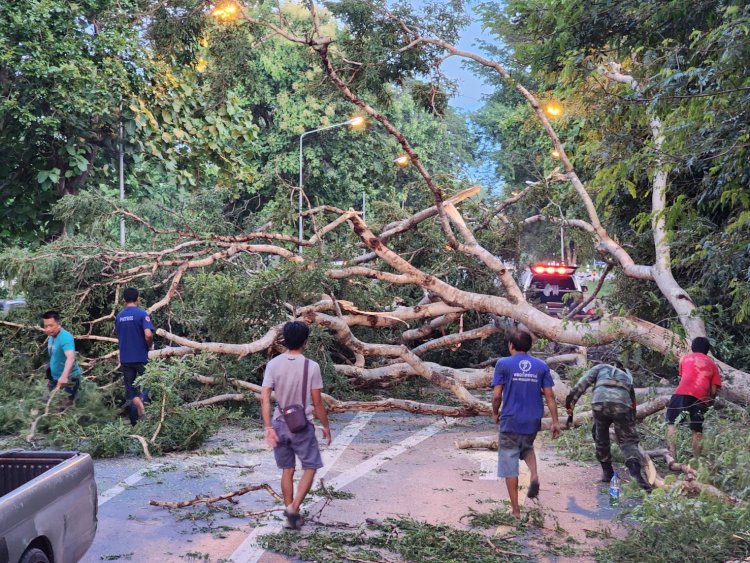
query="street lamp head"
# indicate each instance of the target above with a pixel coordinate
(554, 153)
(402, 160)
(227, 10)
(553, 109)
(356, 122)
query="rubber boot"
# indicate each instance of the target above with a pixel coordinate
(634, 466)
(607, 471)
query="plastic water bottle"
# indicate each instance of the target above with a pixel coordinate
(614, 490)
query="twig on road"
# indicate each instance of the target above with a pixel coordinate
(210, 500)
(504, 551)
(235, 466)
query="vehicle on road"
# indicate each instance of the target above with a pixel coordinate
(48, 506)
(552, 287)
(7, 305)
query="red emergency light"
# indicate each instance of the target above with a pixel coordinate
(553, 269)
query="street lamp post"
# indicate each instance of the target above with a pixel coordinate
(121, 174)
(353, 122)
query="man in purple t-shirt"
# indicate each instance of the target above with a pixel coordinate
(135, 334)
(519, 383)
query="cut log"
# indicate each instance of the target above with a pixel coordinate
(478, 443)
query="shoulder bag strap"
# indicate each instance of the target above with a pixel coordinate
(304, 383)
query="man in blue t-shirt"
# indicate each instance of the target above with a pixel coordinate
(519, 383)
(64, 372)
(135, 336)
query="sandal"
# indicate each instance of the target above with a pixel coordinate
(294, 519)
(533, 489)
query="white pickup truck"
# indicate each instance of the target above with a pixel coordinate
(48, 506)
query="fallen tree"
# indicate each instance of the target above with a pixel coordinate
(388, 302)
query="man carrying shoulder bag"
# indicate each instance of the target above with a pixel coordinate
(297, 383)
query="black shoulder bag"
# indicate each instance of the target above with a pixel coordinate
(294, 415)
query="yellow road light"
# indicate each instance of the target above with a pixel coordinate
(554, 153)
(553, 109)
(356, 122)
(226, 11)
(402, 160)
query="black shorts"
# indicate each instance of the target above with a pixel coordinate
(129, 374)
(687, 403)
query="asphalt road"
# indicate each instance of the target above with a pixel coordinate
(393, 463)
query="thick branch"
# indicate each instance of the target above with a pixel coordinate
(429, 327)
(345, 336)
(394, 373)
(662, 269)
(453, 339)
(241, 350)
(398, 227)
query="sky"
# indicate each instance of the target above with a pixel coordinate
(471, 89)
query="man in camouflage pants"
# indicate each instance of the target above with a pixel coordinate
(613, 403)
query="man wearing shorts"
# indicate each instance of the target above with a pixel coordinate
(700, 382)
(64, 372)
(519, 383)
(135, 336)
(284, 376)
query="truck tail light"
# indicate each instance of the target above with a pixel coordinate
(554, 269)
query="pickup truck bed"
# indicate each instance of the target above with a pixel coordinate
(48, 506)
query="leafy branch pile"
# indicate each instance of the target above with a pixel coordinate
(410, 539)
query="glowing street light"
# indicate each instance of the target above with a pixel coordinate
(226, 10)
(402, 160)
(355, 123)
(554, 153)
(553, 109)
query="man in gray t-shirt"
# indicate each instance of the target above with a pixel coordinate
(284, 376)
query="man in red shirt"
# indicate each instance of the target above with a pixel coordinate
(699, 383)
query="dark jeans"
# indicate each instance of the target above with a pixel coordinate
(129, 374)
(71, 388)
